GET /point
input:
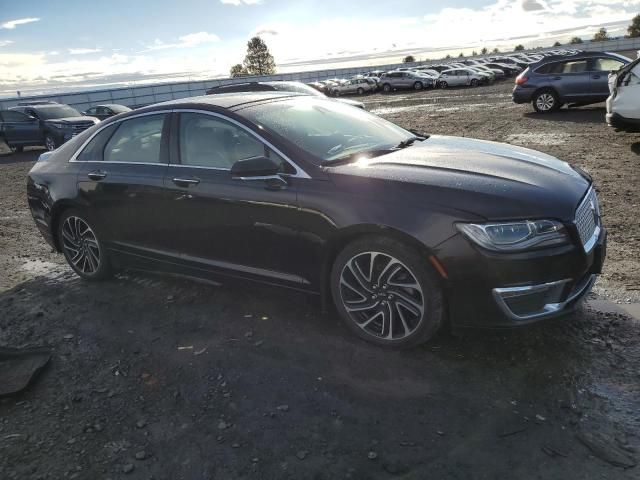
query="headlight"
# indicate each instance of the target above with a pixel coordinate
(57, 125)
(515, 236)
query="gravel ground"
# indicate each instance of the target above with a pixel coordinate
(153, 377)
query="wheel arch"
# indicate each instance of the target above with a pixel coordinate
(57, 210)
(546, 88)
(350, 234)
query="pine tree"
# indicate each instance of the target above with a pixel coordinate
(237, 71)
(601, 35)
(258, 60)
(634, 28)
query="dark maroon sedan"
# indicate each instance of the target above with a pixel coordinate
(399, 230)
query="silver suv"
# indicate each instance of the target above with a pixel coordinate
(457, 77)
(398, 80)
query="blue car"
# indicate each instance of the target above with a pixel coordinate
(580, 79)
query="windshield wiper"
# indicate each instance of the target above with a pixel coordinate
(409, 141)
(354, 156)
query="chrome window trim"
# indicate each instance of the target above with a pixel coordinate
(82, 147)
(300, 173)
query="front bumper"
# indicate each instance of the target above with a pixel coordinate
(488, 289)
(616, 120)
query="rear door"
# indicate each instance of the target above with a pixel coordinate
(122, 178)
(572, 79)
(19, 129)
(599, 68)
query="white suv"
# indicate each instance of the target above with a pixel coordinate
(623, 105)
(457, 77)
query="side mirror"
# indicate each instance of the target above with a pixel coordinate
(32, 118)
(83, 113)
(254, 167)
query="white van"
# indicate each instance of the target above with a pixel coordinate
(623, 105)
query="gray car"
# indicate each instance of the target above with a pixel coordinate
(579, 79)
(400, 80)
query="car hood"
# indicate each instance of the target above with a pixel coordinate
(488, 179)
(354, 103)
(74, 120)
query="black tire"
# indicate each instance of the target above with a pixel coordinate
(408, 267)
(100, 269)
(474, 82)
(443, 84)
(418, 86)
(545, 101)
(16, 148)
(386, 88)
(360, 91)
(50, 143)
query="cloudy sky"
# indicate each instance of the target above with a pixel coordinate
(58, 44)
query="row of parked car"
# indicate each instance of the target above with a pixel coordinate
(49, 124)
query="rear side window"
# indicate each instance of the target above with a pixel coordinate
(12, 116)
(606, 65)
(138, 140)
(94, 149)
(576, 66)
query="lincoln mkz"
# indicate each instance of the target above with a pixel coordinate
(403, 232)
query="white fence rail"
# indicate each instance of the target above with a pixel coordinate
(148, 94)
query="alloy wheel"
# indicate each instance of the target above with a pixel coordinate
(81, 245)
(545, 102)
(382, 296)
(50, 143)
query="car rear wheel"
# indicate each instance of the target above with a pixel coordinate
(386, 88)
(417, 86)
(16, 149)
(360, 91)
(81, 246)
(443, 84)
(50, 143)
(385, 293)
(546, 101)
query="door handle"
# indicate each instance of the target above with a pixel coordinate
(97, 175)
(595, 77)
(186, 182)
(556, 78)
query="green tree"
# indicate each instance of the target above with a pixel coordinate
(496, 50)
(557, 44)
(474, 54)
(447, 57)
(408, 59)
(258, 60)
(634, 28)
(237, 71)
(601, 35)
(518, 48)
(484, 51)
(461, 55)
(576, 41)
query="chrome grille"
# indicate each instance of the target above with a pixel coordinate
(80, 127)
(588, 219)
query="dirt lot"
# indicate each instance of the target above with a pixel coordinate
(158, 378)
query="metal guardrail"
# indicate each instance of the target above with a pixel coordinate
(144, 95)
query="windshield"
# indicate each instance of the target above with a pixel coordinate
(58, 111)
(119, 108)
(327, 129)
(297, 88)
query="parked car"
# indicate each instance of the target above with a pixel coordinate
(623, 104)
(460, 77)
(579, 80)
(355, 85)
(310, 194)
(276, 86)
(43, 124)
(398, 80)
(102, 112)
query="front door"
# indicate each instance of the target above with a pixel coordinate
(237, 227)
(572, 80)
(19, 129)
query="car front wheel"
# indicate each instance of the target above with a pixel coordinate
(50, 143)
(417, 86)
(16, 149)
(81, 246)
(546, 101)
(443, 84)
(386, 88)
(360, 91)
(474, 82)
(385, 293)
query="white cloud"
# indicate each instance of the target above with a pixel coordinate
(186, 41)
(237, 3)
(83, 51)
(4, 43)
(532, 5)
(10, 25)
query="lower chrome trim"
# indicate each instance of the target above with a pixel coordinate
(548, 310)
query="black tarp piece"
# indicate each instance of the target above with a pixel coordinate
(19, 367)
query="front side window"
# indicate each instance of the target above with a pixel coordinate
(606, 65)
(208, 141)
(137, 140)
(91, 111)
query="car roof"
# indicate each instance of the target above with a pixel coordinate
(228, 101)
(578, 56)
(110, 105)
